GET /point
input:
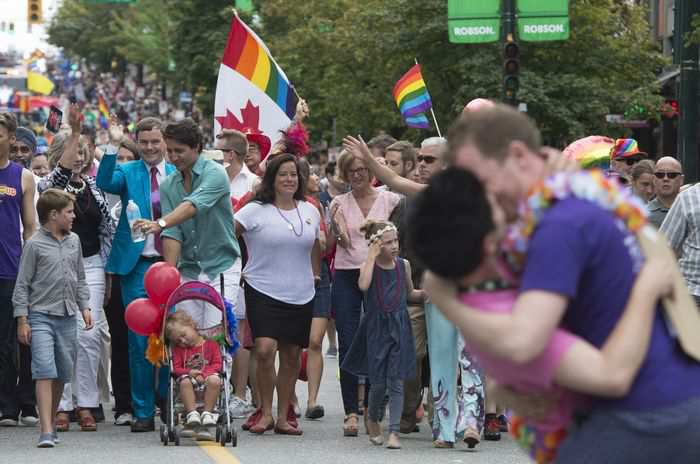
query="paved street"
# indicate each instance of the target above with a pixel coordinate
(322, 441)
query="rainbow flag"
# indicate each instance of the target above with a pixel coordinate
(419, 121)
(411, 93)
(248, 56)
(104, 111)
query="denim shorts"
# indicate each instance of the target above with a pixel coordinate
(54, 345)
(322, 300)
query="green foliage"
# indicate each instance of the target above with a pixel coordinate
(694, 36)
(344, 57)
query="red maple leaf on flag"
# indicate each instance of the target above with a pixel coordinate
(250, 118)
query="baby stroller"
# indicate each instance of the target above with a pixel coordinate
(225, 432)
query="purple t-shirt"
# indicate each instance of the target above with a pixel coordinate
(584, 253)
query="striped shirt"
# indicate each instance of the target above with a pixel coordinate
(682, 229)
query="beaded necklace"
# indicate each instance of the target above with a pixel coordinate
(591, 185)
(290, 226)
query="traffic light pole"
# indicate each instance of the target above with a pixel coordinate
(688, 92)
(508, 17)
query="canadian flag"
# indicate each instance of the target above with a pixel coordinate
(252, 91)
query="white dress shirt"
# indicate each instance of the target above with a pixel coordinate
(244, 182)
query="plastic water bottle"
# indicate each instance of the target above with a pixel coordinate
(133, 214)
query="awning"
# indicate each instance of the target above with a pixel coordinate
(667, 76)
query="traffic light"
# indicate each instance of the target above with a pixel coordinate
(35, 12)
(511, 70)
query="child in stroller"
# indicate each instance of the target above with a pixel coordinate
(196, 365)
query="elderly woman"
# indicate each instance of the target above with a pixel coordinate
(348, 212)
(281, 230)
(69, 158)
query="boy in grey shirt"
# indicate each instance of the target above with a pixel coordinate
(50, 289)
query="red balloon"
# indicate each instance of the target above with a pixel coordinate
(144, 317)
(160, 281)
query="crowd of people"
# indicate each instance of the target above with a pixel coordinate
(481, 268)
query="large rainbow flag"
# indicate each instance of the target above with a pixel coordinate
(412, 98)
(250, 78)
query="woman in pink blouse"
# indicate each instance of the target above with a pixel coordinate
(348, 212)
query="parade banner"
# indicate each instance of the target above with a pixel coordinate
(474, 22)
(252, 91)
(543, 20)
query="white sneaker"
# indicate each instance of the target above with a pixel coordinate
(124, 418)
(8, 422)
(193, 419)
(208, 419)
(239, 409)
(29, 421)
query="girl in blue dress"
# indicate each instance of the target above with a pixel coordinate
(383, 348)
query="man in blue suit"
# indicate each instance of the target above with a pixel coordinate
(138, 181)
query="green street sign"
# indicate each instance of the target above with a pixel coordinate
(529, 8)
(474, 22)
(462, 9)
(474, 30)
(543, 29)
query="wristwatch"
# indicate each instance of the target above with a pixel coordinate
(162, 224)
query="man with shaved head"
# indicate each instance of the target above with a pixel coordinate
(668, 178)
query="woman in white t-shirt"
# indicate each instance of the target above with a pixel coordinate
(281, 231)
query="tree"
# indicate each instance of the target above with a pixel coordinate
(694, 36)
(344, 57)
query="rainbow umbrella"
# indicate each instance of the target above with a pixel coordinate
(591, 152)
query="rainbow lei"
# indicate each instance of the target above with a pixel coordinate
(591, 185)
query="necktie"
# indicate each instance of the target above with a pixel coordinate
(155, 205)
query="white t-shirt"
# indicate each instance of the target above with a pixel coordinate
(244, 182)
(279, 261)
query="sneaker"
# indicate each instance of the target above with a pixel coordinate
(56, 440)
(492, 429)
(124, 418)
(503, 423)
(8, 421)
(46, 441)
(332, 352)
(193, 419)
(29, 416)
(207, 419)
(239, 409)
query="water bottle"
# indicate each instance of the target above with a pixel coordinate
(133, 214)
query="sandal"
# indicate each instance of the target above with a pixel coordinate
(350, 425)
(62, 421)
(442, 444)
(471, 437)
(86, 421)
(259, 429)
(288, 431)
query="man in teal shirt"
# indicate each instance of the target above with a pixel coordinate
(197, 229)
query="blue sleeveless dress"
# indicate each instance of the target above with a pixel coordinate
(383, 348)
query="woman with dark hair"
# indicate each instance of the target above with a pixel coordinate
(70, 159)
(281, 230)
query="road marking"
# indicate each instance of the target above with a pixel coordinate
(218, 453)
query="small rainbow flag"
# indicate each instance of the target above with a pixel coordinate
(104, 111)
(247, 55)
(419, 121)
(411, 93)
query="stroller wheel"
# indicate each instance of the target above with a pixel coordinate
(172, 434)
(218, 432)
(223, 438)
(234, 438)
(163, 435)
(176, 432)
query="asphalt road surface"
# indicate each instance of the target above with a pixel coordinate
(321, 443)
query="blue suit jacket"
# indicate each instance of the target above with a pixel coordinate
(131, 181)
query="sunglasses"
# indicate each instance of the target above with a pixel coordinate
(21, 149)
(427, 159)
(632, 161)
(670, 175)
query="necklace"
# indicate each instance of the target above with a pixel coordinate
(380, 289)
(592, 185)
(76, 190)
(290, 226)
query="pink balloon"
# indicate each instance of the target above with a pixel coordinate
(160, 281)
(144, 317)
